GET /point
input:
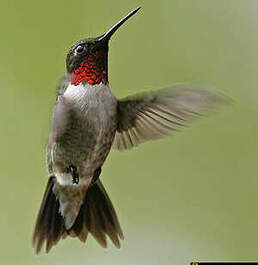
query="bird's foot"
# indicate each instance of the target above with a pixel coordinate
(96, 175)
(75, 175)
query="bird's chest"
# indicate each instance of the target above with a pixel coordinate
(93, 103)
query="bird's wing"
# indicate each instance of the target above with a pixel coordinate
(64, 112)
(62, 85)
(156, 114)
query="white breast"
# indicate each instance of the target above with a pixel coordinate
(88, 96)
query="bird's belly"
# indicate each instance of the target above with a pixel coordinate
(100, 139)
(87, 139)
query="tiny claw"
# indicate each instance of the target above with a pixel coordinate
(76, 179)
(96, 175)
(73, 170)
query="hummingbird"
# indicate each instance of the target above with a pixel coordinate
(88, 120)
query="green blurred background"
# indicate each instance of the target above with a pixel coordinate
(189, 197)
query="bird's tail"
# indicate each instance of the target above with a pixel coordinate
(96, 216)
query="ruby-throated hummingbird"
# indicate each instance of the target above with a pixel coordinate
(87, 121)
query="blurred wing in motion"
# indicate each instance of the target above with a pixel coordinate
(156, 114)
(62, 85)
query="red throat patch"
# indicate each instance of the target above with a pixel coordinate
(93, 69)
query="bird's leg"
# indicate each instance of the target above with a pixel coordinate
(96, 175)
(73, 170)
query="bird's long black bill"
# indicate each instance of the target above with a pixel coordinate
(112, 30)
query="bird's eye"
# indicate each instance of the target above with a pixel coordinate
(79, 49)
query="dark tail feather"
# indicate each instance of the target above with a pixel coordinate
(49, 226)
(96, 216)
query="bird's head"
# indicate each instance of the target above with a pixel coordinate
(86, 60)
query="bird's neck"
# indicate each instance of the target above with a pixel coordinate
(93, 70)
